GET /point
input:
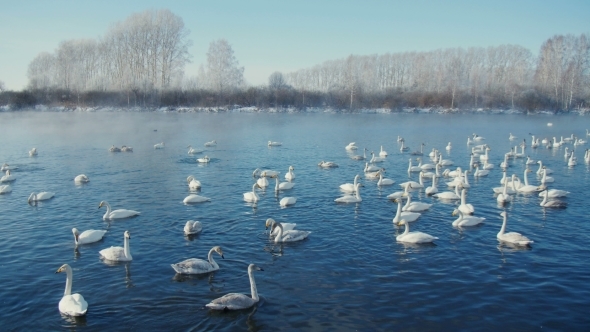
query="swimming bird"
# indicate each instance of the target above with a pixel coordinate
(552, 203)
(449, 147)
(288, 236)
(266, 172)
(88, 236)
(7, 177)
(356, 198)
(159, 145)
(414, 206)
(432, 189)
(290, 175)
(211, 143)
(116, 214)
(287, 226)
(553, 193)
(252, 196)
(193, 227)
(192, 150)
(327, 164)
(113, 148)
(125, 148)
(271, 143)
(414, 237)
(512, 237)
(5, 167)
(359, 157)
(193, 184)
(465, 207)
(399, 194)
(375, 159)
(351, 146)
(283, 185)
(382, 153)
(384, 181)
(42, 196)
(197, 265)
(118, 254)
(404, 215)
(449, 195)
(71, 304)
(33, 152)
(504, 197)
(237, 301)
(5, 189)
(82, 178)
(204, 160)
(527, 188)
(193, 198)
(286, 201)
(350, 187)
(463, 220)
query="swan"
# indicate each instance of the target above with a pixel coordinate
(485, 156)
(403, 148)
(414, 237)
(359, 157)
(197, 265)
(193, 198)
(529, 161)
(5, 167)
(503, 197)
(116, 214)
(7, 177)
(552, 203)
(286, 201)
(512, 237)
(414, 168)
(460, 180)
(504, 164)
(71, 304)
(373, 175)
(266, 172)
(573, 161)
(477, 138)
(399, 138)
(327, 164)
(125, 148)
(527, 188)
(288, 236)
(546, 179)
(371, 168)
(113, 148)
(421, 152)
(42, 196)
(192, 150)
(404, 215)
(382, 153)
(350, 187)
(448, 147)
(118, 254)
(424, 167)
(435, 174)
(444, 162)
(553, 193)
(464, 207)
(487, 166)
(204, 160)
(159, 145)
(376, 159)
(88, 236)
(449, 195)
(414, 206)
(469, 141)
(566, 153)
(252, 196)
(414, 184)
(399, 194)
(82, 178)
(512, 137)
(271, 143)
(275, 230)
(283, 185)
(543, 169)
(512, 183)
(193, 184)
(263, 181)
(211, 143)
(466, 220)
(290, 175)
(454, 174)
(351, 146)
(237, 301)
(480, 173)
(193, 227)
(5, 189)
(350, 198)
(432, 189)
(33, 152)
(384, 181)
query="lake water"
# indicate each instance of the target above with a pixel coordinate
(349, 274)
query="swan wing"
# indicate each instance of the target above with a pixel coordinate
(471, 221)
(416, 237)
(294, 235)
(114, 254)
(410, 216)
(90, 236)
(287, 226)
(231, 301)
(193, 266)
(516, 238)
(73, 305)
(122, 213)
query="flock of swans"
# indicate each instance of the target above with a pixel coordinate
(408, 212)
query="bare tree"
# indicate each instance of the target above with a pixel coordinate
(223, 70)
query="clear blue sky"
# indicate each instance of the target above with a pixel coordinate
(288, 35)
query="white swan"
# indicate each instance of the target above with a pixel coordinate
(414, 168)
(290, 175)
(71, 304)
(573, 161)
(350, 187)
(529, 161)
(543, 169)
(504, 197)
(464, 207)
(477, 137)
(505, 181)
(5, 189)
(404, 215)
(399, 194)
(271, 143)
(375, 159)
(6, 167)
(414, 206)
(512, 237)
(7, 177)
(113, 148)
(485, 156)
(116, 214)
(287, 226)
(382, 153)
(193, 184)
(125, 148)
(552, 203)
(197, 265)
(82, 178)
(504, 164)
(288, 236)
(384, 181)
(432, 189)
(403, 148)
(266, 172)
(449, 195)
(370, 168)
(351, 146)
(193, 198)
(553, 193)
(327, 164)
(286, 201)
(487, 166)
(88, 236)
(512, 137)
(463, 220)
(449, 147)
(42, 196)
(193, 227)
(192, 150)
(283, 185)
(421, 152)
(480, 172)
(252, 196)
(359, 157)
(546, 179)
(414, 237)
(237, 301)
(204, 160)
(118, 254)
(414, 184)
(424, 167)
(527, 188)
(159, 145)
(350, 198)
(211, 143)
(374, 175)
(33, 152)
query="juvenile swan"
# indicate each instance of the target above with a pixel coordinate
(237, 301)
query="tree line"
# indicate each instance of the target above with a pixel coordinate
(140, 62)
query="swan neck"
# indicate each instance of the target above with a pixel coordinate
(107, 214)
(356, 194)
(463, 197)
(279, 237)
(399, 211)
(253, 289)
(503, 229)
(407, 228)
(526, 181)
(210, 258)
(126, 248)
(277, 184)
(68, 290)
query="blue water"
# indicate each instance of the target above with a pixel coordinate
(350, 274)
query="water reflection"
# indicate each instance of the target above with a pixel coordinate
(73, 321)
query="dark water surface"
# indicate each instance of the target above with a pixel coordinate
(350, 274)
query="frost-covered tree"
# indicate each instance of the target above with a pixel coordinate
(223, 69)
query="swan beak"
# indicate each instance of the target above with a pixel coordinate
(222, 256)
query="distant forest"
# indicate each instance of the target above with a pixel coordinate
(140, 62)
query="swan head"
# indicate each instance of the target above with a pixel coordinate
(31, 197)
(270, 222)
(63, 268)
(127, 235)
(103, 203)
(218, 250)
(76, 233)
(400, 222)
(253, 267)
(455, 212)
(291, 168)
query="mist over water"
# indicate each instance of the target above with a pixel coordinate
(350, 274)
